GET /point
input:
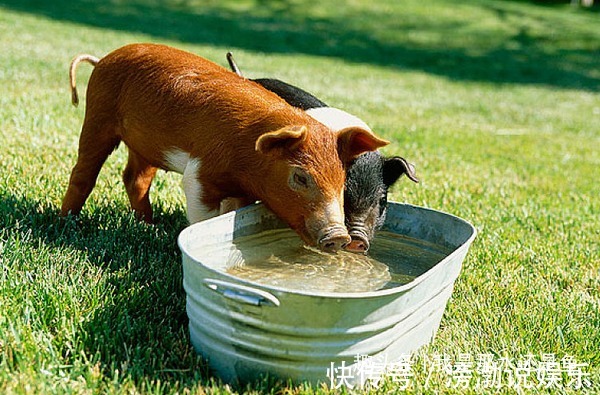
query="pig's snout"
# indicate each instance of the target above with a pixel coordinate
(358, 245)
(334, 239)
(360, 241)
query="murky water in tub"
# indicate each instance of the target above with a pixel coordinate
(279, 258)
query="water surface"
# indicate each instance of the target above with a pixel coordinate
(279, 258)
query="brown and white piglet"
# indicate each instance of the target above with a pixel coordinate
(229, 137)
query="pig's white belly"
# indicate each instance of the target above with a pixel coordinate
(181, 162)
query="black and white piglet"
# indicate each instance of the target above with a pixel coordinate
(367, 179)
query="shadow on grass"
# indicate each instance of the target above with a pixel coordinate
(364, 35)
(551, 3)
(140, 328)
(140, 331)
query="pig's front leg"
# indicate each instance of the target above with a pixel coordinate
(196, 210)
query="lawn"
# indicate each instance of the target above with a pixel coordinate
(496, 102)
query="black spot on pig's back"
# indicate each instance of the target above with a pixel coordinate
(293, 95)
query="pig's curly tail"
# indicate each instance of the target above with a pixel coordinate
(74, 63)
(233, 65)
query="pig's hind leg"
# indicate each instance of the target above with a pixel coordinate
(95, 145)
(138, 176)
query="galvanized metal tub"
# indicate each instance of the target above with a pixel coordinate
(245, 329)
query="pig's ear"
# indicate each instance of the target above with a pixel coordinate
(394, 167)
(289, 137)
(354, 141)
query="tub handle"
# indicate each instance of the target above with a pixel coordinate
(242, 293)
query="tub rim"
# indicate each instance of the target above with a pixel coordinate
(325, 295)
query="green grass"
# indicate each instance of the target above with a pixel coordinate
(496, 102)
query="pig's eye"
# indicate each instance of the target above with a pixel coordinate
(300, 179)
